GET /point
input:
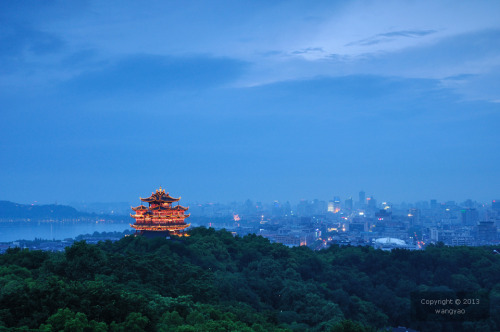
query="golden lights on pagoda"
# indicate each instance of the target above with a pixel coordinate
(160, 215)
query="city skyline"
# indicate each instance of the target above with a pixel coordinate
(330, 203)
(223, 101)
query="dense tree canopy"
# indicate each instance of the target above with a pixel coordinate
(213, 281)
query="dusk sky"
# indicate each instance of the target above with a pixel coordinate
(220, 101)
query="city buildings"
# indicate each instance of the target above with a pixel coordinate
(318, 223)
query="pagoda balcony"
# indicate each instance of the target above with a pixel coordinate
(160, 228)
(175, 216)
(160, 222)
(160, 219)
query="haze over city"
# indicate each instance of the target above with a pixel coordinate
(224, 100)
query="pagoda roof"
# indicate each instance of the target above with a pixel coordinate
(160, 196)
(140, 207)
(180, 207)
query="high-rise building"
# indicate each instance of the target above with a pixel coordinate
(348, 203)
(383, 216)
(371, 203)
(277, 209)
(331, 208)
(414, 216)
(487, 231)
(362, 198)
(318, 207)
(469, 203)
(288, 209)
(470, 217)
(434, 234)
(336, 204)
(495, 205)
(303, 208)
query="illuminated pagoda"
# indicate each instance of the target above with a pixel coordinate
(160, 218)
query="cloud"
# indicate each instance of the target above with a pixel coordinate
(391, 36)
(24, 48)
(482, 86)
(415, 33)
(472, 56)
(152, 73)
(309, 50)
(16, 41)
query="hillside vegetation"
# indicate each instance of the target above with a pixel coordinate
(213, 281)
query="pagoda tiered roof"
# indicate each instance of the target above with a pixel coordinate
(159, 197)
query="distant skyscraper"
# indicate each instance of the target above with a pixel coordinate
(495, 205)
(288, 208)
(371, 202)
(348, 203)
(414, 215)
(383, 215)
(469, 203)
(434, 234)
(336, 204)
(331, 208)
(318, 207)
(434, 204)
(302, 207)
(470, 217)
(362, 198)
(277, 209)
(487, 231)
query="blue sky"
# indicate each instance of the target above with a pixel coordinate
(228, 100)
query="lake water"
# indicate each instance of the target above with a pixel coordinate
(24, 230)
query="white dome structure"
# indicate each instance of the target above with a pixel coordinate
(390, 241)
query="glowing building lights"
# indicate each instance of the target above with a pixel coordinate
(160, 216)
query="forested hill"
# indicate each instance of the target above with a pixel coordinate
(16, 211)
(213, 281)
(23, 211)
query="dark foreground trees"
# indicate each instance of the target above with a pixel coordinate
(213, 281)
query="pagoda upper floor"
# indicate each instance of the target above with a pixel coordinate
(160, 208)
(160, 198)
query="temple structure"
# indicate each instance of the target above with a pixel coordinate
(160, 217)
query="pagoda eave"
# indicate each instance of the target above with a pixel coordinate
(160, 227)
